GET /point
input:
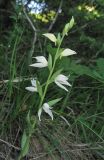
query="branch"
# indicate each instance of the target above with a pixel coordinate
(54, 20)
(9, 144)
(34, 29)
(56, 16)
(16, 80)
(29, 20)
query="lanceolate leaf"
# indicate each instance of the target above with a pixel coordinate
(28, 119)
(55, 75)
(68, 26)
(39, 88)
(71, 23)
(100, 66)
(59, 38)
(24, 145)
(50, 62)
(51, 103)
(23, 141)
(53, 50)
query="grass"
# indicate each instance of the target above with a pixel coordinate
(77, 131)
(83, 138)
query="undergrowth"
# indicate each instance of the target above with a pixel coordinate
(77, 131)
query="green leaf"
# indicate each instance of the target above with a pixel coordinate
(50, 62)
(28, 118)
(30, 123)
(55, 75)
(97, 74)
(39, 88)
(53, 50)
(59, 53)
(68, 26)
(25, 149)
(23, 141)
(100, 66)
(24, 145)
(80, 69)
(71, 23)
(51, 103)
(58, 39)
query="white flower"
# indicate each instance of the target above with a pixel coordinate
(61, 80)
(67, 52)
(50, 36)
(47, 109)
(32, 88)
(41, 62)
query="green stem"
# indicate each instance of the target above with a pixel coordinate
(51, 72)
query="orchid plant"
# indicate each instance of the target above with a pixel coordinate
(57, 77)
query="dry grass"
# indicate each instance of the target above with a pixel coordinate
(50, 142)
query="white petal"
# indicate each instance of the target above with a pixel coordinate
(47, 109)
(33, 82)
(68, 52)
(17, 80)
(42, 62)
(38, 65)
(39, 113)
(66, 83)
(61, 77)
(61, 86)
(31, 89)
(50, 36)
(41, 59)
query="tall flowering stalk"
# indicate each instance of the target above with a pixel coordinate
(41, 62)
(59, 79)
(54, 77)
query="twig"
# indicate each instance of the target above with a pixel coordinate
(9, 144)
(29, 20)
(32, 48)
(65, 120)
(16, 80)
(35, 32)
(7, 156)
(54, 20)
(56, 16)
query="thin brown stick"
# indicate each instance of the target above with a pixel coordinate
(29, 20)
(56, 16)
(35, 32)
(9, 144)
(16, 80)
